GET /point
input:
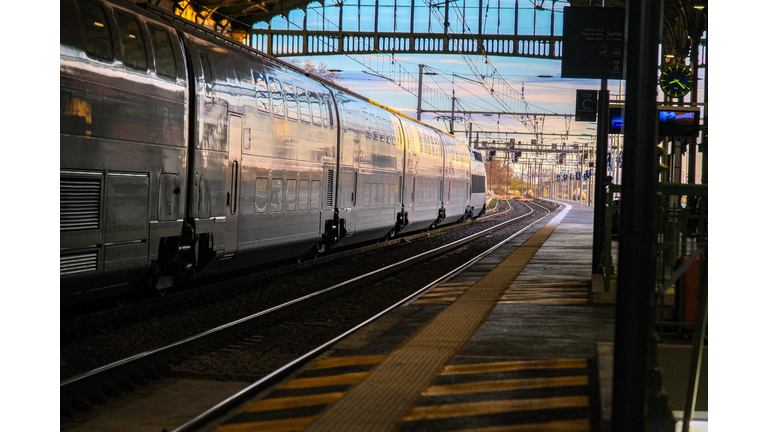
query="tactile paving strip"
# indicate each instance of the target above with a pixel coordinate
(536, 395)
(298, 402)
(393, 386)
(562, 293)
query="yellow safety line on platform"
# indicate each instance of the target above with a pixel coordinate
(435, 300)
(443, 293)
(333, 362)
(550, 284)
(580, 425)
(453, 285)
(493, 407)
(293, 402)
(514, 366)
(544, 301)
(504, 385)
(515, 296)
(284, 425)
(342, 379)
(395, 384)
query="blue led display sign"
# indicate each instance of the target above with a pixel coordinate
(678, 121)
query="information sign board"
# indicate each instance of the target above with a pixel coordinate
(586, 105)
(593, 43)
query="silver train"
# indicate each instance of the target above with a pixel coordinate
(184, 154)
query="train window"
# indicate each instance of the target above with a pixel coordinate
(324, 114)
(330, 111)
(367, 124)
(207, 77)
(362, 123)
(292, 107)
(276, 90)
(262, 94)
(165, 61)
(314, 103)
(382, 129)
(290, 194)
(98, 39)
(303, 194)
(262, 195)
(134, 50)
(375, 127)
(276, 200)
(367, 195)
(343, 117)
(314, 195)
(306, 116)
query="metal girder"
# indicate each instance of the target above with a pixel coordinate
(684, 22)
(285, 43)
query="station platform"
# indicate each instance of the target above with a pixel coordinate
(509, 344)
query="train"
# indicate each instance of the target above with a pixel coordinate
(184, 153)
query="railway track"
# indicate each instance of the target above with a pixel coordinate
(136, 366)
(74, 318)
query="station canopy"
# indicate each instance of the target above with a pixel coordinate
(246, 13)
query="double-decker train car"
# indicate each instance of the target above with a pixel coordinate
(184, 153)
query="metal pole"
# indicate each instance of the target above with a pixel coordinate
(453, 105)
(598, 231)
(470, 135)
(700, 332)
(581, 174)
(705, 135)
(418, 98)
(480, 17)
(516, 10)
(413, 11)
(446, 23)
(636, 279)
(506, 181)
(694, 99)
(490, 176)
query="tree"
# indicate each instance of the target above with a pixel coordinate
(319, 69)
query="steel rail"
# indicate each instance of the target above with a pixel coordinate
(169, 299)
(281, 373)
(138, 363)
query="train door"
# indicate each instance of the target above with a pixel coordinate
(234, 144)
(406, 192)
